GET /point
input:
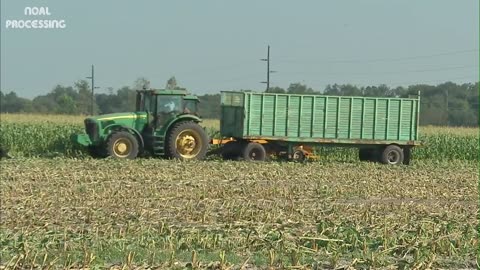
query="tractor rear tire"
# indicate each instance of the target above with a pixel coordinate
(122, 144)
(254, 152)
(187, 141)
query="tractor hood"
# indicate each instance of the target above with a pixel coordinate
(120, 116)
(98, 127)
(128, 119)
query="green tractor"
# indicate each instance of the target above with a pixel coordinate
(165, 123)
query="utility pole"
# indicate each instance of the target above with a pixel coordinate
(93, 89)
(268, 68)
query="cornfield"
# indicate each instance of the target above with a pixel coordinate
(63, 213)
(62, 210)
(47, 136)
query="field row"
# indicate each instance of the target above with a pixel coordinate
(154, 212)
(48, 139)
(208, 123)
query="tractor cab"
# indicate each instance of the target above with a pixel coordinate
(162, 106)
(178, 101)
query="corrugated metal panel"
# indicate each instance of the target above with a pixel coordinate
(247, 114)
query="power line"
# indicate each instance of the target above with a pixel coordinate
(379, 59)
(434, 81)
(219, 68)
(385, 72)
(391, 84)
(245, 76)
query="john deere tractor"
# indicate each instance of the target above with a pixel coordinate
(165, 123)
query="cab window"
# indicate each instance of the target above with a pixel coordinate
(190, 106)
(145, 102)
(169, 104)
(148, 103)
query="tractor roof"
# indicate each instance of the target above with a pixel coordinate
(181, 91)
(165, 91)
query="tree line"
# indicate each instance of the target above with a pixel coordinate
(443, 104)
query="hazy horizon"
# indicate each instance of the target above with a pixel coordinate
(217, 45)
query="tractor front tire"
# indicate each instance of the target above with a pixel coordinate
(122, 144)
(187, 141)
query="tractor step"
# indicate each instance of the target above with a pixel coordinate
(158, 146)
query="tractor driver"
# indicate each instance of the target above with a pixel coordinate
(170, 107)
(168, 104)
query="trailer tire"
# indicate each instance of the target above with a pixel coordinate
(254, 152)
(299, 156)
(122, 144)
(392, 155)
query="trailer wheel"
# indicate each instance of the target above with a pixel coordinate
(254, 152)
(392, 155)
(231, 150)
(299, 156)
(122, 144)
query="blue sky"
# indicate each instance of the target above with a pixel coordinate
(217, 45)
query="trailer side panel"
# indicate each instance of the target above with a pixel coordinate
(312, 117)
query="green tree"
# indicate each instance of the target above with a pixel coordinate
(12, 103)
(209, 106)
(350, 90)
(44, 104)
(66, 105)
(141, 83)
(126, 99)
(377, 91)
(275, 90)
(399, 92)
(342, 90)
(84, 100)
(332, 90)
(298, 88)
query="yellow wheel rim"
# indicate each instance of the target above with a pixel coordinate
(189, 143)
(122, 147)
